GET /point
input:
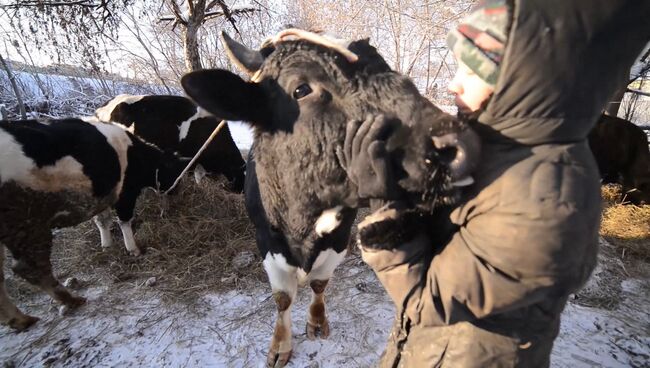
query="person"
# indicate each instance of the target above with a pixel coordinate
(533, 77)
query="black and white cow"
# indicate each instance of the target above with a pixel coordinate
(297, 191)
(175, 123)
(59, 173)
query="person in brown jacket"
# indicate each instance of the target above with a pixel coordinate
(534, 75)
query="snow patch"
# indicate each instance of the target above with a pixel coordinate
(127, 325)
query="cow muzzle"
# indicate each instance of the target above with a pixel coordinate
(460, 152)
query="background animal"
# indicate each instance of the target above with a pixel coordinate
(621, 151)
(59, 173)
(297, 192)
(175, 123)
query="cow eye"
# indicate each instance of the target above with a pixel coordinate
(301, 91)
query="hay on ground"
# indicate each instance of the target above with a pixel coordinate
(199, 240)
(625, 226)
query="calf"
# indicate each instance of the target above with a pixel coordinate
(621, 151)
(297, 192)
(175, 123)
(59, 173)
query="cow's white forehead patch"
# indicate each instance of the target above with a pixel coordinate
(328, 221)
(104, 113)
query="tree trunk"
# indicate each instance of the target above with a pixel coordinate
(615, 102)
(19, 98)
(191, 46)
(4, 115)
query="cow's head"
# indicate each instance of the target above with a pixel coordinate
(303, 91)
(119, 109)
(169, 168)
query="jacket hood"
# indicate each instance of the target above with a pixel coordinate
(557, 74)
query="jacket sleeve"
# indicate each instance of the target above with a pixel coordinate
(528, 235)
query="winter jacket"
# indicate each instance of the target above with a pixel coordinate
(527, 231)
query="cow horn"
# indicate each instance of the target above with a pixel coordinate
(337, 45)
(247, 60)
(467, 145)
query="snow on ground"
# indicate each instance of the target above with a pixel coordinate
(36, 85)
(131, 327)
(127, 325)
(591, 337)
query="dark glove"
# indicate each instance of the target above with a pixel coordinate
(366, 160)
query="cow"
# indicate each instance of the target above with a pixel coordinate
(297, 192)
(621, 151)
(175, 123)
(59, 173)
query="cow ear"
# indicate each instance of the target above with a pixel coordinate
(247, 60)
(226, 95)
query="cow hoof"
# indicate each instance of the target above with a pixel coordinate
(75, 302)
(106, 245)
(277, 359)
(322, 331)
(136, 253)
(22, 323)
(63, 310)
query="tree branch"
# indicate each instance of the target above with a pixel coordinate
(638, 92)
(219, 13)
(40, 3)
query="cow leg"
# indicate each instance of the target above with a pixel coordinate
(103, 222)
(129, 239)
(9, 314)
(32, 262)
(284, 284)
(124, 208)
(317, 320)
(326, 262)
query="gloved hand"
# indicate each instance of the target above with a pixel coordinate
(366, 160)
(389, 226)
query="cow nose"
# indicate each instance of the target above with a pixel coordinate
(461, 152)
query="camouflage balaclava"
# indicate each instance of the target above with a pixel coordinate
(479, 40)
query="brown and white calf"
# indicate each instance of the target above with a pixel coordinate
(305, 88)
(59, 173)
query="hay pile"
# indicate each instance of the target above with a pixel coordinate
(624, 225)
(199, 240)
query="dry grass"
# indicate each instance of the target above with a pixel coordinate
(196, 241)
(625, 226)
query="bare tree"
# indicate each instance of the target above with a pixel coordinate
(63, 28)
(191, 15)
(614, 105)
(12, 80)
(145, 42)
